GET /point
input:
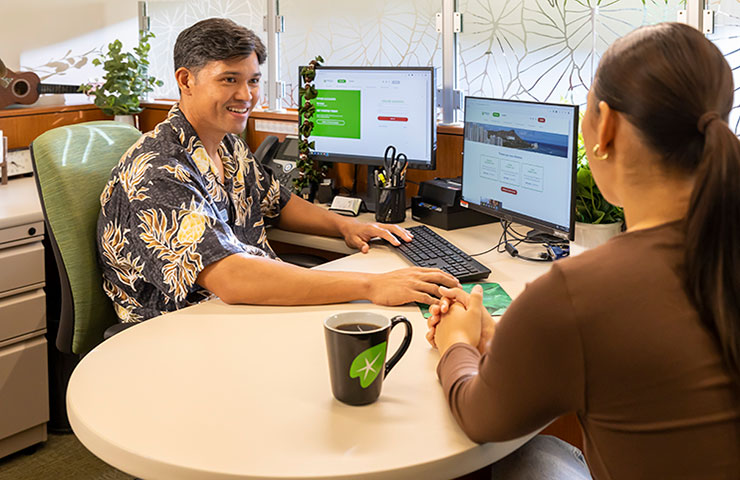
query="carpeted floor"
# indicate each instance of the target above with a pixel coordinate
(62, 457)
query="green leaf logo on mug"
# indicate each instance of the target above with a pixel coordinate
(368, 364)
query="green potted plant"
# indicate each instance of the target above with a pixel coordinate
(311, 171)
(596, 219)
(126, 81)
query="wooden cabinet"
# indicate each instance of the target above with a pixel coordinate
(24, 397)
(23, 125)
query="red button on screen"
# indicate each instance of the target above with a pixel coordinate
(508, 190)
(393, 119)
(541, 119)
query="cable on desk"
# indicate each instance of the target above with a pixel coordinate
(501, 241)
(509, 246)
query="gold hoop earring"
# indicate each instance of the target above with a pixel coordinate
(596, 153)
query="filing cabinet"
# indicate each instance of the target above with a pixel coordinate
(24, 398)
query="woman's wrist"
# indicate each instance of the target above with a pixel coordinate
(451, 339)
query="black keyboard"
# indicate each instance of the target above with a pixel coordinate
(428, 249)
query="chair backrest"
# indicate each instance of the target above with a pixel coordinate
(72, 165)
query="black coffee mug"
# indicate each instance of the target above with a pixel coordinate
(356, 344)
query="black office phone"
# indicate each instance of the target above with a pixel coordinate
(280, 158)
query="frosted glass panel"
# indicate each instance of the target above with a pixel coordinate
(544, 50)
(169, 18)
(727, 38)
(378, 32)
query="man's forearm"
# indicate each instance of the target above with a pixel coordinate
(299, 215)
(262, 281)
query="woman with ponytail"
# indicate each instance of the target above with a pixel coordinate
(639, 337)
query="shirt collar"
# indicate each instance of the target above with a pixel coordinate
(188, 138)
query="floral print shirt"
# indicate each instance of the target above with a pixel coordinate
(165, 216)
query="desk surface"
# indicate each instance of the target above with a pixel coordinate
(220, 391)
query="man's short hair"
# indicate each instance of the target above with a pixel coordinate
(215, 39)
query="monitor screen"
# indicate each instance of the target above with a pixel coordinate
(519, 162)
(360, 111)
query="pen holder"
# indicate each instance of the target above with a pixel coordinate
(391, 204)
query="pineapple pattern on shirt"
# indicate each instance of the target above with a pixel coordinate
(165, 215)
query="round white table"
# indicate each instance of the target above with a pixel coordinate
(242, 392)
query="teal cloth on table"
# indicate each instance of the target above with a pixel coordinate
(495, 299)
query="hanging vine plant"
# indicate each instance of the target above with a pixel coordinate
(311, 171)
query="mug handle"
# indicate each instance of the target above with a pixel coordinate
(404, 344)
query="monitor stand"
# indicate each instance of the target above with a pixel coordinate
(535, 236)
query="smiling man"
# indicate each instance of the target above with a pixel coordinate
(184, 214)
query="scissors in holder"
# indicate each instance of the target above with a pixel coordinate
(395, 165)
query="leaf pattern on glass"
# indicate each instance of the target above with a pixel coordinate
(176, 244)
(126, 268)
(726, 37)
(382, 32)
(132, 176)
(169, 18)
(545, 50)
(494, 43)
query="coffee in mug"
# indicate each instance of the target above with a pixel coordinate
(356, 345)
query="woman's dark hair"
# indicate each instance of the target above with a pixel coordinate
(215, 39)
(676, 88)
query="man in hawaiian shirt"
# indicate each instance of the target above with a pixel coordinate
(184, 213)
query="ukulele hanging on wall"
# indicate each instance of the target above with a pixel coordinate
(25, 87)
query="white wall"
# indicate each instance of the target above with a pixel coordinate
(57, 39)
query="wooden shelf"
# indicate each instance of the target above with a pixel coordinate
(23, 125)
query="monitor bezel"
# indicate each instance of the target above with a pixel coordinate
(377, 161)
(520, 218)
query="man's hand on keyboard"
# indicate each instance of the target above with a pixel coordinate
(357, 234)
(409, 285)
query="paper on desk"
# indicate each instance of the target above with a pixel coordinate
(495, 299)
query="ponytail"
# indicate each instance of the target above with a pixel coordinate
(679, 94)
(713, 237)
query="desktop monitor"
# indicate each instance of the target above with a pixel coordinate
(360, 111)
(519, 162)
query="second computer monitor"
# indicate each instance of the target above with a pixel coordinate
(360, 111)
(519, 162)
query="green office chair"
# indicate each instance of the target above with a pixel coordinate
(72, 165)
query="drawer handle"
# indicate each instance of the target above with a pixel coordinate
(32, 231)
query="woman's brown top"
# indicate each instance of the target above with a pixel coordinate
(611, 335)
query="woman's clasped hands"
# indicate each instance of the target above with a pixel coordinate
(460, 318)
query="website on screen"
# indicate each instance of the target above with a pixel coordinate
(362, 112)
(518, 157)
